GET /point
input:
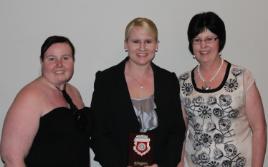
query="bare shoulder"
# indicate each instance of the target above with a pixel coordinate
(72, 89)
(28, 99)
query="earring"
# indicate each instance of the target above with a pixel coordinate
(193, 56)
(156, 50)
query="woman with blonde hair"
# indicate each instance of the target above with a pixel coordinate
(137, 96)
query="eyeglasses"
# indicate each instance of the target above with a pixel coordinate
(208, 40)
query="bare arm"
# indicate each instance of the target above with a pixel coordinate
(256, 117)
(20, 126)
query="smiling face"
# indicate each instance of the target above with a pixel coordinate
(206, 46)
(58, 64)
(141, 45)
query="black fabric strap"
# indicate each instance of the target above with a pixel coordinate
(68, 100)
(80, 118)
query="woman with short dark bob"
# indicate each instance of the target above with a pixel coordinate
(221, 103)
(46, 125)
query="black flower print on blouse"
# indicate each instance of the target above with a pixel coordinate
(184, 76)
(201, 159)
(213, 164)
(197, 145)
(218, 138)
(198, 101)
(240, 162)
(204, 112)
(217, 132)
(227, 163)
(236, 71)
(198, 128)
(205, 140)
(211, 126)
(217, 154)
(233, 113)
(231, 84)
(224, 124)
(187, 88)
(225, 100)
(211, 100)
(230, 150)
(210, 120)
(218, 112)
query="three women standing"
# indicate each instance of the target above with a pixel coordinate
(221, 105)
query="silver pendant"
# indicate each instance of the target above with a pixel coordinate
(205, 87)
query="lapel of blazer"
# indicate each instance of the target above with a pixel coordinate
(157, 89)
(156, 82)
(125, 101)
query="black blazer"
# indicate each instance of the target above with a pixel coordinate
(114, 118)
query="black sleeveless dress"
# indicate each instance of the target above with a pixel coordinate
(62, 139)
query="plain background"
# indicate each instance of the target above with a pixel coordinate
(96, 27)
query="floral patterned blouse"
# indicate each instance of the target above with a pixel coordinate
(218, 131)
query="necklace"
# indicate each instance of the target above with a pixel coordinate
(130, 74)
(206, 87)
(139, 83)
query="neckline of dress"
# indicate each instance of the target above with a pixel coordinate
(226, 75)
